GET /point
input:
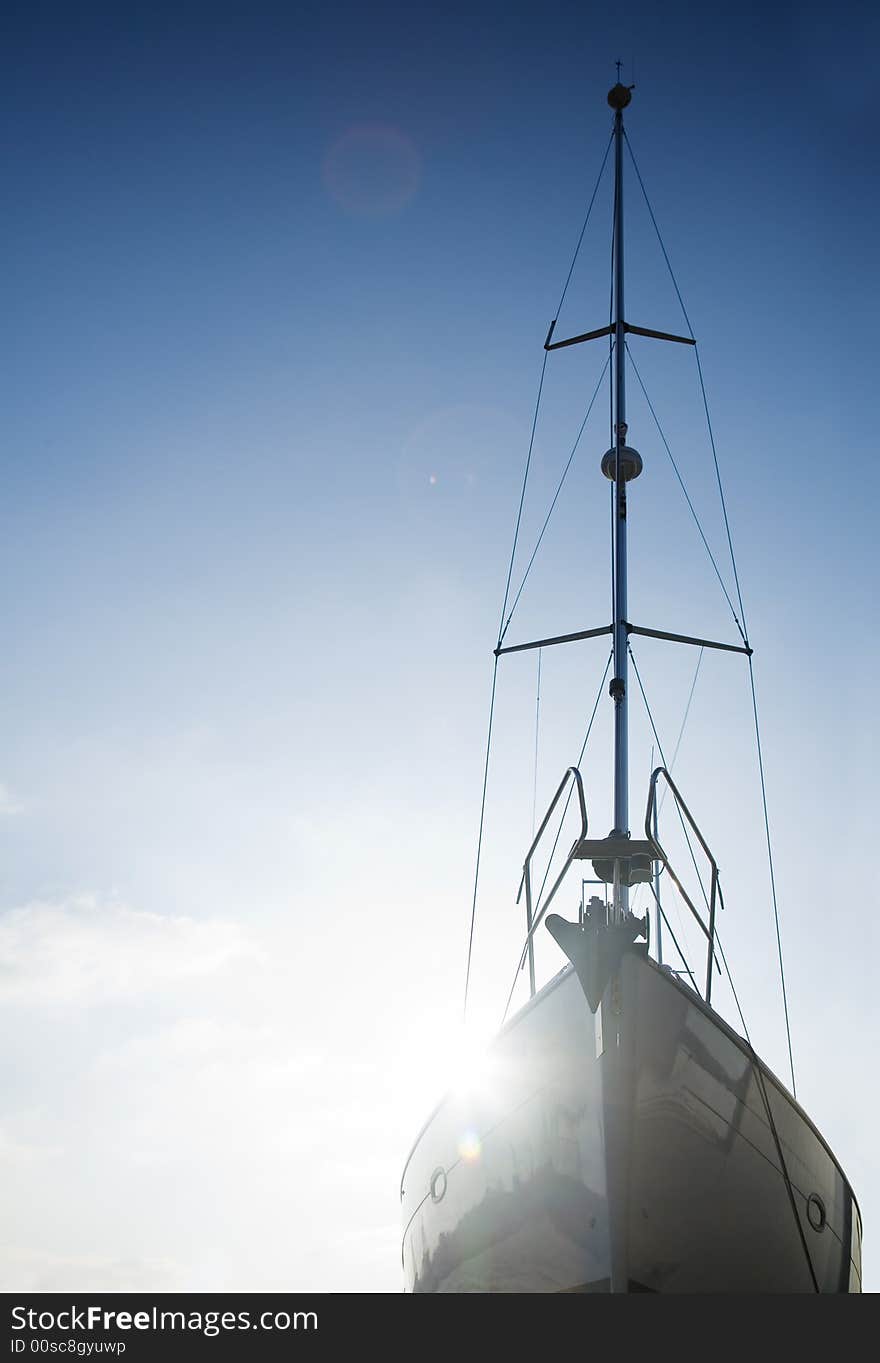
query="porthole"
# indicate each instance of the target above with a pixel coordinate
(816, 1212)
(438, 1185)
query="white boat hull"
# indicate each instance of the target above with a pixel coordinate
(629, 1150)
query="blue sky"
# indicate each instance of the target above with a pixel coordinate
(276, 283)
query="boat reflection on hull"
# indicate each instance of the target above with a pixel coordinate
(626, 1150)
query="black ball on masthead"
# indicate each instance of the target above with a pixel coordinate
(620, 96)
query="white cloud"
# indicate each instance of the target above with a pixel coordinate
(18, 1154)
(217, 1062)
(8, 802)
(25, 1269)
(85, 952)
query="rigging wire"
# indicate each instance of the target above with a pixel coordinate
(662, 913)
(559, 829)
(687, 710)
(502, 626)
(537, 731)
(522, 498)
(663, 758)
(586, 220)
(552, 505)
(772, 874)
(678, 811)
(681, 484)
(702, 386)
(659, 237)
(744, 628)
(470, 950)
(742, 609)
(759, 1076)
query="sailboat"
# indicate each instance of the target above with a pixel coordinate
(631, 1139)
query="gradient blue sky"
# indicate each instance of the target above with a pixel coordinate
(276, 282)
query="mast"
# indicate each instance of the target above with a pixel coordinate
(621, 464)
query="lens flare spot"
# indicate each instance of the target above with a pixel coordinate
(469, 1147)
(372, 171)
